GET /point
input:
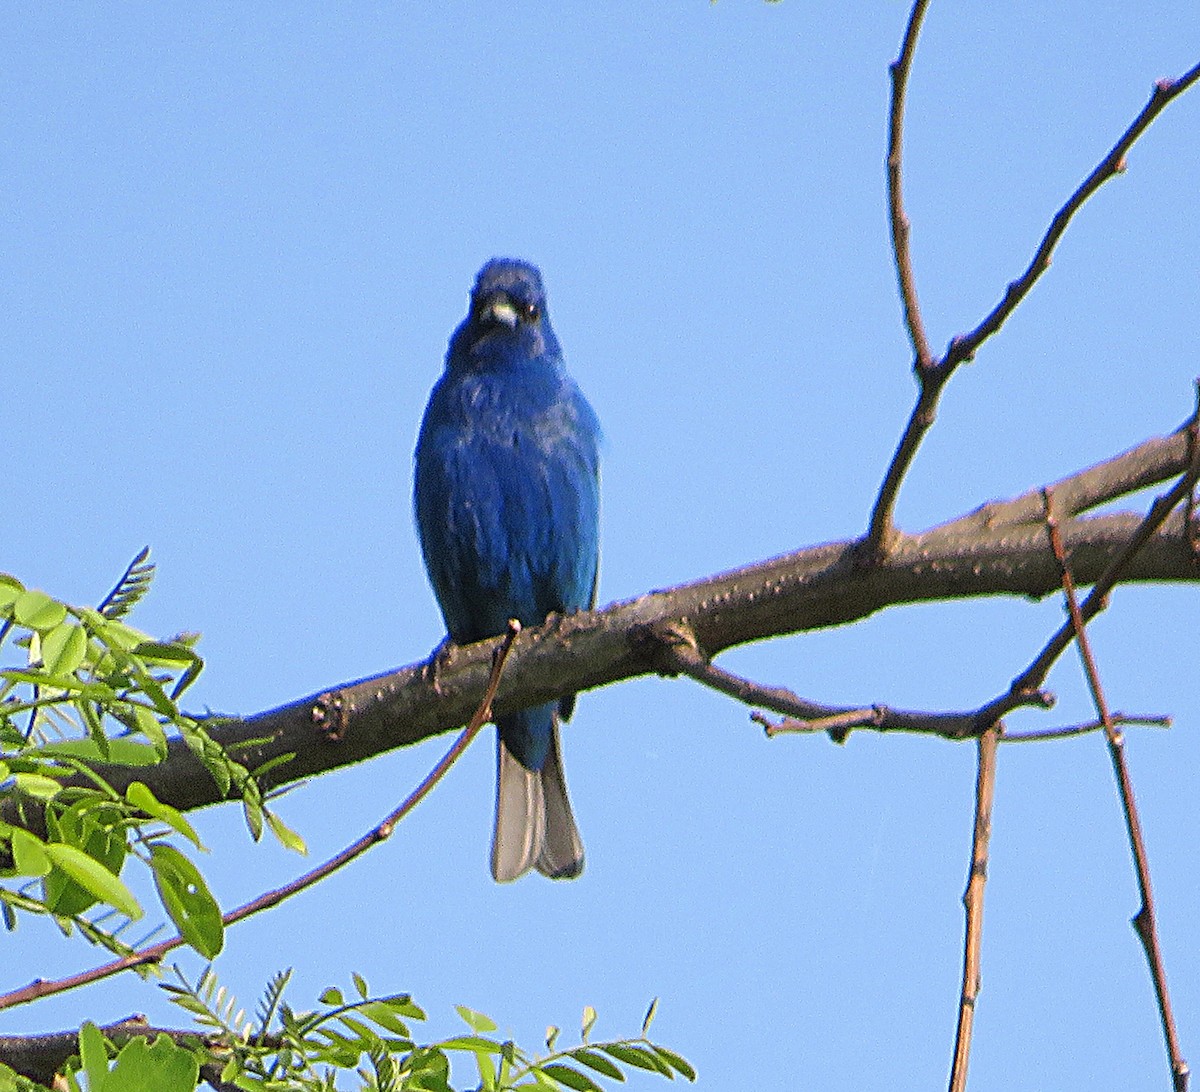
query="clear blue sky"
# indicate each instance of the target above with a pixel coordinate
(236, 240)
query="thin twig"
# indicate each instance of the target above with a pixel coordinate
(1067, 730)
(963, 348)
(676, 652)
(1144, 922)
(901, 227)
(985, 791)
(43, 988)
(1097, 598)
(933, 374)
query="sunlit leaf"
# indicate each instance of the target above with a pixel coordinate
(63, 648)
(144, 800)
(287, 837)
(148, 724)
(476, 1021)
(636, 1056)
(37, 611)
(10, 589)
(161, 1066)
(121, 751)
(680, 1065)
(572, 1078)
(93, 1055)
(29, 853)
(598, 1062)
(187, 900)
(37, 786)
(91, 875)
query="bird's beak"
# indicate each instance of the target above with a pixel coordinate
(500, 309)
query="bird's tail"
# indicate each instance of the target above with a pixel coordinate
(535, 827)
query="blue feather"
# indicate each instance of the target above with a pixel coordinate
(507, 506)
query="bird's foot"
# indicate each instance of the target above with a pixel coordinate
(439, 661)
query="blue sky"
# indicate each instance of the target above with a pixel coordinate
(237, 240)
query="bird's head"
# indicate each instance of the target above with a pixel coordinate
(508, 318)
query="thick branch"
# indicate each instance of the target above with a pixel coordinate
(810, 589)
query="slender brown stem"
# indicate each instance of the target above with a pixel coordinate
(1145, 921)
(963, 348)
(1067, 730)
(898, 218)
(676, 652)
(985, 791)
(933, 374)
(154, 953)
(1035, 674)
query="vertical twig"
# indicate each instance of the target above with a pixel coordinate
(898, 218)
(1144, 921)
(985, 790)
(933, 373)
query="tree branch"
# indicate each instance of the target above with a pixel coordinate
(985, 793)
(40, 1057)
(1145, 920)
(807, 590)
(933, 374)
(154, 953)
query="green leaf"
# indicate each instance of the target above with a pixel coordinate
(588, 1022)
(386, 1018)
(10, 590)
(187, 900)
(476, 1021)
(360, 984)
(147, 723)
(36, 610)
(288, 838)
(487, 1069)
(64, 648)
(332, 996)
(598, 1062)
(253, 810)
(93, 877)
(37, 786)
(160, 1066)
(29, 853)
(472, 1043)
(637, 1057)
(121, 751)
(572, 1078)
(649, 1017)
(93, 1055)
(680, 1065)
(97, 828)
(144, 800)
(166, 652)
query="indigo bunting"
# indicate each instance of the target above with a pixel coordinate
(507, 501)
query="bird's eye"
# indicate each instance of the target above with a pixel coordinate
(531, 312)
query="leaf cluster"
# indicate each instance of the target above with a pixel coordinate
(370, 1037)
(80, 688)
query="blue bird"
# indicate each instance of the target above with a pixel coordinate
(507, 500)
